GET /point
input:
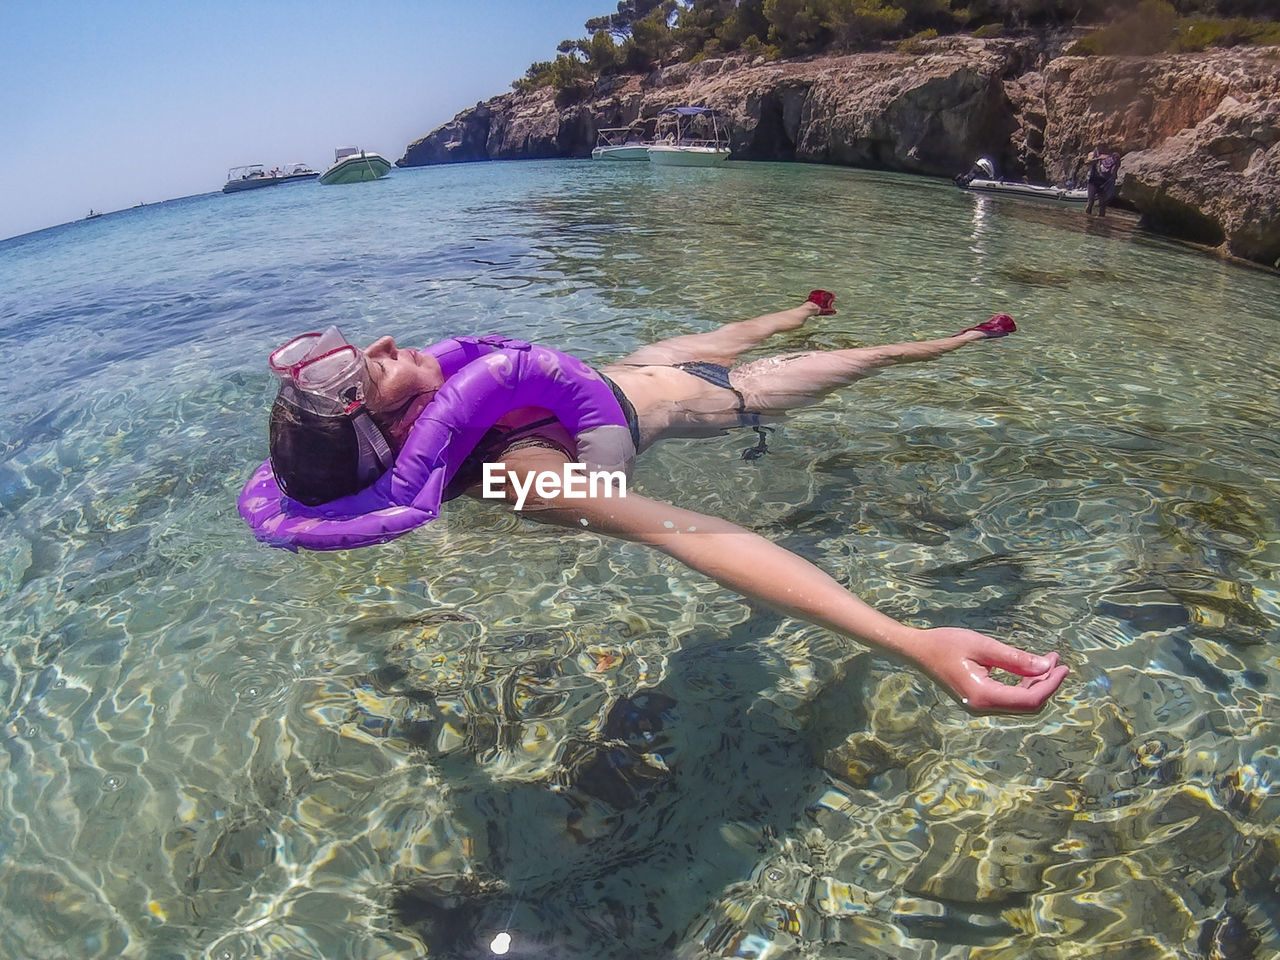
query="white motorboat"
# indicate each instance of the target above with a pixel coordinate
(1028, 191)
(352, 165)
(253, 175)
(697, 140)
(619, 143)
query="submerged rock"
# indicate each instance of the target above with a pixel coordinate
(997, 854)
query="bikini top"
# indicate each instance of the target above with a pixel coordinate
(485, 379)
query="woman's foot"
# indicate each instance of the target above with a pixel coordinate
(824, 300)
(1001, 325)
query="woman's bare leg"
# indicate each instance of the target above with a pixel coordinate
(777, 384)
(724, 345)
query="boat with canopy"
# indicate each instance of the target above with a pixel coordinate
(251, 176)
(619, 143)
(695, 137)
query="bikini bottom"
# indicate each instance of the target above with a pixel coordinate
(717, 375)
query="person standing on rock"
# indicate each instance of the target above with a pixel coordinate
(1101, 187)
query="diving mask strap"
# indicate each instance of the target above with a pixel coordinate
(372, 441)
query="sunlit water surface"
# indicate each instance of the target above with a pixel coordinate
(216, 749)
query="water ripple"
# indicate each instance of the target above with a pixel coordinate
(213, 749)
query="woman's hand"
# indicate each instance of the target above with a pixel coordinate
(962, 660)
(746, 563)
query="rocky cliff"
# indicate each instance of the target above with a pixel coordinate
(1200, 133)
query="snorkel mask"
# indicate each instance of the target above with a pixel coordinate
(324, 443)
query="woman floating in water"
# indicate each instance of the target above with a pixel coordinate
(374, 440)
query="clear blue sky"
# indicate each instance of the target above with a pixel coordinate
(108, 104)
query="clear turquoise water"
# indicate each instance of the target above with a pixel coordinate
(216, 749)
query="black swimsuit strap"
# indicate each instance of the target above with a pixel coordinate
(628, 411)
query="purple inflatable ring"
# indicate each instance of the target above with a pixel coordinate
(485, 379)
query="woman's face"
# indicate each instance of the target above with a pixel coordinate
(400, 384)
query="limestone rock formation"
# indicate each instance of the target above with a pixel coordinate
(927, 114)
(1198, 131)
(1216, 182)
(1198, 134)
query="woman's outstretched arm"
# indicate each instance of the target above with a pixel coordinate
(959, 659)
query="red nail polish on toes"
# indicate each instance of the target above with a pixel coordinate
(824, 300)
(1001, 325)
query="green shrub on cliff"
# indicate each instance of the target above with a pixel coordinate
(1200, 34)
(1155, 27)
(807, 26)
(563, 73)
(744, 25)
(795, 26)
(1255, 9)
(603, 55)
(652, 39)
(755, 47)
(1148, 28)
(644, 34)
(858, 24)
(697, 25)
(916, 44)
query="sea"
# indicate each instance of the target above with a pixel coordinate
(493, 738)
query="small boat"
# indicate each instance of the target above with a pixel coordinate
(352, 165)
(251, 176)
(619, 143)
(1027, 191)
(93, 214)
(688, 144)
